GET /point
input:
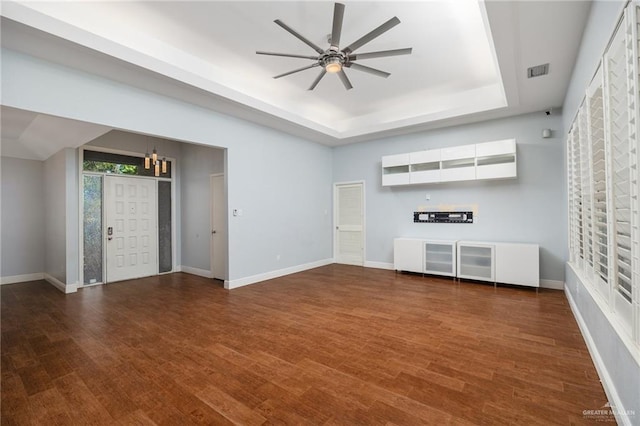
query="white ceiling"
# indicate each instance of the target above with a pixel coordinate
(468, 63)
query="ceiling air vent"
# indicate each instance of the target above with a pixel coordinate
(538, 70)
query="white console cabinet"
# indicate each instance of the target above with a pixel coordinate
(425, 256)
(407, 254)
(476, 261)
(440, 257)
(518, 264)
(508, 263)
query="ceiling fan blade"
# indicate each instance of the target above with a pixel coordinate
(288, 55)
(373, 34)
(295, 71)
(367, 69)
(336, 31)
(299, 36)
(317, 80)
(345, 80)
(380, 54)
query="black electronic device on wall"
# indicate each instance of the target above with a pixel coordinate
(443, 217)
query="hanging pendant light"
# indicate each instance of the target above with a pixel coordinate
(156, 169)
(164, 164)
(154, 155)
(147, 161)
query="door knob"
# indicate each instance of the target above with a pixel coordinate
(214, 231)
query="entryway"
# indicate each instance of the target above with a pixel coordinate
(127, 217)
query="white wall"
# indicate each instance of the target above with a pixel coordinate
(528, 209)
(281, 182)
(23, 212)
(619, 371)
(197, 163)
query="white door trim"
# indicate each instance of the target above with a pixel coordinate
(225, 226)
(364, 218)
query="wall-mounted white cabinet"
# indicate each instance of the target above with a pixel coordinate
(496, 160)
(488, 160)
(395, 169)
(508, 263)
(458, 163)
(425, 166)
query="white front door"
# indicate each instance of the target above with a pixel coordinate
(349, 223)
(218, 228)
(131, 227)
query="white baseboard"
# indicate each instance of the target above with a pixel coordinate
(378, 265)
(65, 288)
(552, 284)
(21, 278)
(603, 373)
(240, 282)
(196, 271)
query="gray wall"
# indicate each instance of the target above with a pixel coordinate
(284, 190)
(23, 212)
(623, 372)
(528, 209)
(600, 26)
(281, 182)
(136, 144)
(72, 217)
(620, 373)
(55, 240)
(197, 164)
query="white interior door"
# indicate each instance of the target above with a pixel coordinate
(131, 227)
(218, 228)
(349, 223)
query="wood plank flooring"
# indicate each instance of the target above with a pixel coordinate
(333, 345)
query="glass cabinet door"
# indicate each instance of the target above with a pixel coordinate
(439, 258)
(476, 262)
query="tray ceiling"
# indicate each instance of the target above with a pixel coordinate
(469, 58)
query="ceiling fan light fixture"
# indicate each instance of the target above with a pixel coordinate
(333, 65)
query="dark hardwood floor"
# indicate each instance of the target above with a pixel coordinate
(334, 345)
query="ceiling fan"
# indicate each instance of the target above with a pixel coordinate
(334, 60)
